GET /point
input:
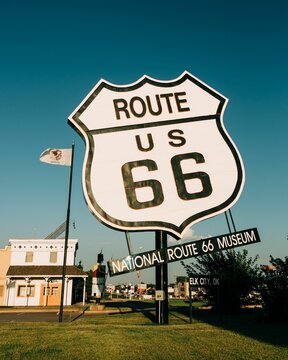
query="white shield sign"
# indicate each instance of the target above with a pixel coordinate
(157, 154)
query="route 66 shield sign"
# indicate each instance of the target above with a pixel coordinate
(157, 154)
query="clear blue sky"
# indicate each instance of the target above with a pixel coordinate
(53, 53)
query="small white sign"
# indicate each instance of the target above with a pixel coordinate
(159, 295)
(157, 154)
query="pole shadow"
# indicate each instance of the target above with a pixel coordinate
(147, 309)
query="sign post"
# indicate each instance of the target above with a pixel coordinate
(60, 318)
(161, 272)
(190, 304)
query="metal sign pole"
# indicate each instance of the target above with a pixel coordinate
(66, 238)
(128, 240)
(161, 272)
(165, 282)
(158, 278)
(190, 302)
(219, 303)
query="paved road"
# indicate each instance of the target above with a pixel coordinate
(34, 316)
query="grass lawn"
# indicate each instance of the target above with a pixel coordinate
(134, 336)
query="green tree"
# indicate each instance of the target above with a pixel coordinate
(238, 273)
(275, 289)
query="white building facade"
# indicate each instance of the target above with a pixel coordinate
(98, 280)
(34, 277)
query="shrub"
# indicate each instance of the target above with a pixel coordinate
(275, 289)
(239, 277)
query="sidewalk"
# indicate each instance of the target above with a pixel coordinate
(11, 309)
(105, 307)
(88, 309)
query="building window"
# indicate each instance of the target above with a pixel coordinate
(53, 257)
(29, 256)
(46, 291)
(24, 291)
(54, 290)
(1, 290)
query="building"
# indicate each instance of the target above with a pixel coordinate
(4, 265)
(182, 287)
(98, 280)
(34, 274)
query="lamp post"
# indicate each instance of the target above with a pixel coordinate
(28, 289)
